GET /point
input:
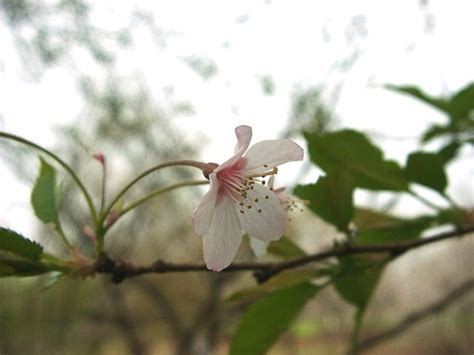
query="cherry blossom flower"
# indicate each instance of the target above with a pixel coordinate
(238, 200)
(289, 202)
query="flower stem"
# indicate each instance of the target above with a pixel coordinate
(66, 167)
(191, 163)
(104, 187)
(60, 231)
(156, 193)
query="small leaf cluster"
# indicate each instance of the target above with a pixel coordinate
(20, 256)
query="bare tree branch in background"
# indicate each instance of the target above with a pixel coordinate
(124, 322)
(417, 316)
(205, 322)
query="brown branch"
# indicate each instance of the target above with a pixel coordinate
(263, 271)
(417, 316)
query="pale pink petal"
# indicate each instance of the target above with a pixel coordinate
(234, 162)
(267, 154)
(204, 211)
(244, 136)
(282, 196)
(279, 192)
(259, 247)
(262, 215)
(222, 239)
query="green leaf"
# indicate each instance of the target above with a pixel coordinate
(453, 216)
(285, 248)
(357, 279)
(44, 197)
(427, 169)
(351, 153)
(6, 270)
(399, 232)
(462, 103)
(330, 198)
(15, 243)
(306, 328)
(15, 265)
(265, 320)
(374, 227)
(458, 107)
(435, 131)
(366, 218)
(19, 256)
(356, 282)
(415, 92)
(449, 151)
(283, 280)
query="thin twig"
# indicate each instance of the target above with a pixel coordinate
(417, 316)
(164, 305)
(263, 271)
(144, 174)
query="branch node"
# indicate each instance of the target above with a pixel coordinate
(159, 266)
(118, 269)
(261, 276)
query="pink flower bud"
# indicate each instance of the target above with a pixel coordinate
(89, 233)
(111, 218)
(99, 157)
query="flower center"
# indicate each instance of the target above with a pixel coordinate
(236, 185)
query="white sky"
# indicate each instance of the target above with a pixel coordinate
(283, 40)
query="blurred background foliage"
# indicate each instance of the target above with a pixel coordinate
(186, 313)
